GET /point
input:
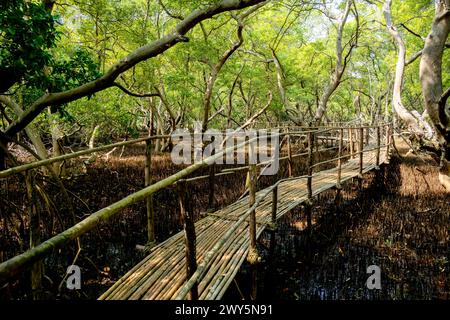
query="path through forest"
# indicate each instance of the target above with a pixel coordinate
(400, 222)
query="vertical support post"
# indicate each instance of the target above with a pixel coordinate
(289, 155)
(351, 142)
(211, 178)
(367, 136)
(378, 148)
(310, 163)
(361, 150)
(252, 198)
(308, 203)
(339, 173)
(190, 238)
(316, 141)
(391, 137)
(253, 255)
(361, 156)
(149, 199)
(272, 227)
(274, 204)
(338, 198)
(35, 234)
(388, 151)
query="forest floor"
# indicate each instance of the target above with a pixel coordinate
(399, 221)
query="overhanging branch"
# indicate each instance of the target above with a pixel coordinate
(138, 95)
(143, 53)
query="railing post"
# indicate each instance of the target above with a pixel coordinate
(253, 255)
(361, 151)
(350, 132)
(272, 226)
(310, 163)
(190, 237)
(378, 149)
(252, 198)
(211, 178)
(149, 199)
(367, 136)
(339, 173)
(289, 155)
(308, 203)
(388, 151)
(274, 204)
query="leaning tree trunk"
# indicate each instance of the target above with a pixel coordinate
(215, 72)
(218, 66)
(431, 80)
(341, 63)
(416, 125)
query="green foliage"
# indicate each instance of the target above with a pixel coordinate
(27, 32)
(72, 71)
(91, 35)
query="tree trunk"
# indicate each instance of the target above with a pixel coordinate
(31, 131)
(431, 80)
(143, 53)
(93, 136)
(58, 167)
(341, 64)
(415, 125)
(215, 72)
(3, 154)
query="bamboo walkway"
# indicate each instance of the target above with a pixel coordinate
(161, 275)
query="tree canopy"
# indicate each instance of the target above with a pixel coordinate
(108, 64)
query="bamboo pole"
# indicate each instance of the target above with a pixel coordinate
(46, 162)
(361, 151)
(289, 155)
(377, 161)
(13, 265)
(350, 130)
(252, 198)
(253, 255)
(35, 234)
(308, 203)
(388, 143)
(339, 173)
(274, 204)
(272, 226)
(149, 199)
(211, 176)
(231, 231)
(189, 236)
(391, 137)
(367, 136)
(310, 163)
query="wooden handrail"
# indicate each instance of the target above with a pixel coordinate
(15, 264)
(12, 266)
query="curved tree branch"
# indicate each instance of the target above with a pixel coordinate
(175, 16)
(138, 95)
(140, 54)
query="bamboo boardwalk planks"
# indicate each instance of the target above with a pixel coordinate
(161, 274)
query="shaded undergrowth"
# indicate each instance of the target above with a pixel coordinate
(108, 251)
(399, 221)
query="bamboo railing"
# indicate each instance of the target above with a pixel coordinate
(343, 136)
